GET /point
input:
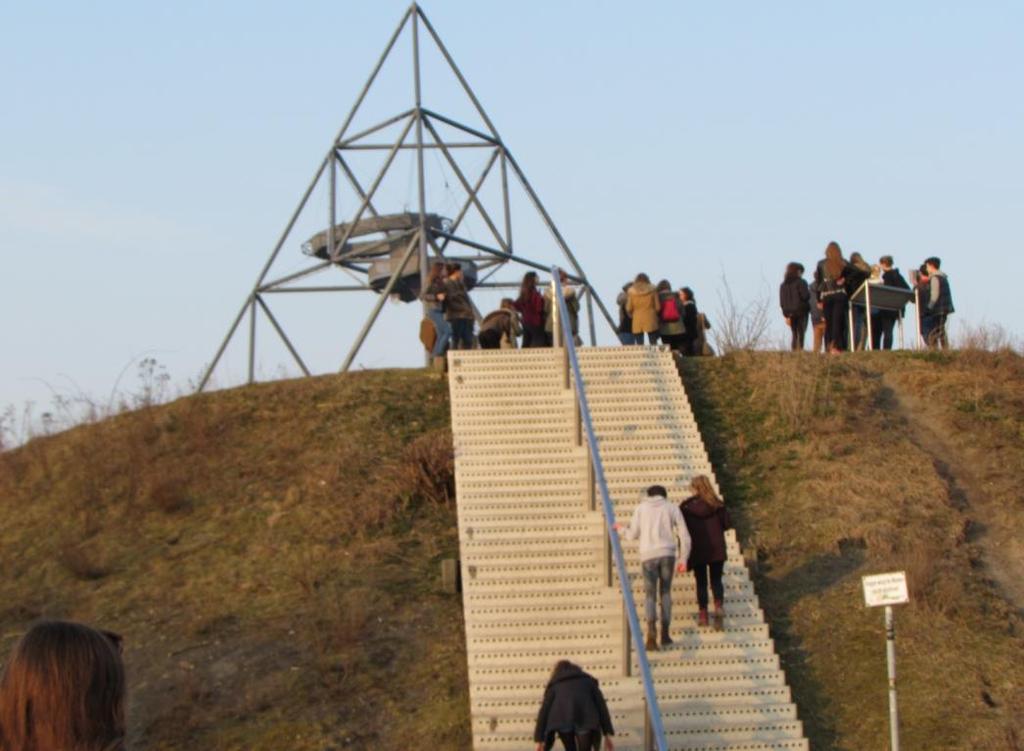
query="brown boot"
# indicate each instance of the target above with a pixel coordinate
(652, 636)
(702, 617)
(666, 640)
(719, 616)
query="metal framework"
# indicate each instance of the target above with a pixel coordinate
(419, 131)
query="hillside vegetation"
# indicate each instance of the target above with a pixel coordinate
(272, 553)
(845, 466)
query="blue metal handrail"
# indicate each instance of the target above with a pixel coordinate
(563, 326)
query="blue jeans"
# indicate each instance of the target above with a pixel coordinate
(658, 576)
(444, 332)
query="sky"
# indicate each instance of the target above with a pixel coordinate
(151, 155)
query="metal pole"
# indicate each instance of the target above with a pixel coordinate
(648, 732)
(331, 207)
(590, 316)
(849, 332)
(504, 196)
(469, 202)
(890, 654)
(284, 338)
(917, 314)
(354, 182)
(376, 308)
(556, 329)
(903, 343)
(419, 162)
(252, 338)
(867, 314)
(627, 643)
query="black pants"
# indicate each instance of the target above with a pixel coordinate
(836, 310)
(937, 332)
(798, 325)
(882, 325)
(533, 336)
(589, 740)
(700, 573)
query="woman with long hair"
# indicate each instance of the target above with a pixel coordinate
(670, 316)
(858, 272)
(642, 307)
(63, 690)
(573, 711)
(693, 324)
(706, 520)
(830, 276)
(434, 297)
(530, 305)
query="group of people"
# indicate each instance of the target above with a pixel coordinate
(826, 304)
(661, 312)
(673, 538)
(451, 314)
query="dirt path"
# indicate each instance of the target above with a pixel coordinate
(973, 479)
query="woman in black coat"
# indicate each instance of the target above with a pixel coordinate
(706, 520)
(574, 711)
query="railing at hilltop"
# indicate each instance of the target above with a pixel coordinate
(654, 730)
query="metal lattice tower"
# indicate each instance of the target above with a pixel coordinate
(410, 240)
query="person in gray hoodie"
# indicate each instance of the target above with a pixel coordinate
(939, 304)
(664, 540)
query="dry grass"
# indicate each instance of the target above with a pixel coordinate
(271, 554)
(848, 483)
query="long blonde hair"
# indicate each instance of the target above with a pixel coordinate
(701, 485)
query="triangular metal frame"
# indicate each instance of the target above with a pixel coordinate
(417, 119)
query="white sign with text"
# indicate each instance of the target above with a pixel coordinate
(886, 589)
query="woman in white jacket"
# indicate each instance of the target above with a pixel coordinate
(664, 539)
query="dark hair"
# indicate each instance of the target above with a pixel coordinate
(886, 261)
(63, 688)
(642, 277)
(664, 285)
(924, 269)
(656, 490)
(936, 262)
(528, 285)
(436, 271)
(451, 268)
(793, 270)
(689, 293)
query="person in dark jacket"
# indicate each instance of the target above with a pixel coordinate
(433, 296)
(926, 320)
(530, 305)
(670, 319)
(693, 331)
(858, 272)
(625, 319)
(795, 300)
(574, 711)
(707, 519)
(830, 276)
(939, 303)
(458, 310)
(884, 321)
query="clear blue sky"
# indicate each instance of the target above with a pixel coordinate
(151, 153)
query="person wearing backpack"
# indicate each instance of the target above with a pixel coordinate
(669, 316)
(830, 276)
(795, 300)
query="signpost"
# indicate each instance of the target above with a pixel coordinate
(888, 590)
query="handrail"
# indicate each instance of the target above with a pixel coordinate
(562, 329)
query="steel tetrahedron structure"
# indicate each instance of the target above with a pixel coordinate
(389, 254)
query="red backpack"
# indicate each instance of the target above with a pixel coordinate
(669, 310)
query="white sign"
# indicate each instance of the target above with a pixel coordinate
(886, 589)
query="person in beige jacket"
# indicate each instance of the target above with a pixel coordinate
(642, 304)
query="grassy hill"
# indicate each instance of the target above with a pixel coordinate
(272, 553)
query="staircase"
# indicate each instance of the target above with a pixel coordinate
(536, 573)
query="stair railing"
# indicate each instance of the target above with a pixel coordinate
(562, 334)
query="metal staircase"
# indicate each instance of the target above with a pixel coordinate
(539, 570)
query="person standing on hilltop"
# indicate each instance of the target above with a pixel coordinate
(795, 300)
(884, 321)
(434, 296)
(458, 309)
(707, 520)
(670, 318)
(830, 276)
(658, 525)
(625, 330)
(694, 325)
(572, 304)
(530, 305)
(642, 306)
(940, 303)
(858, 272)
(574, 711)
